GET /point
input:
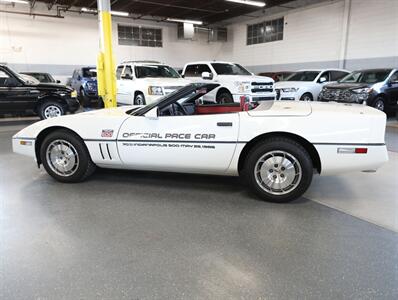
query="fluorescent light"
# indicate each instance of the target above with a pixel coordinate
(185, 21)
(113, 12)
(119, 13)
(249, 2)
(15, 1)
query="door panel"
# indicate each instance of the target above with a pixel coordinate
(204, 143)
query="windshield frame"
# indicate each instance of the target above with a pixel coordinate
(173, 97)
(245, 71)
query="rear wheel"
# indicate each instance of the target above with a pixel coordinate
(51, 109)
(307, 97)
(278, 170)
(65, 157)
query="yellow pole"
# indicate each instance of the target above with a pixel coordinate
(106, 76)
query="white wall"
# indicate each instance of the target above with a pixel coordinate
(41, 42)
(313, 37)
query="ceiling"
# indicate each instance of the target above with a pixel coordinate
(208, 11)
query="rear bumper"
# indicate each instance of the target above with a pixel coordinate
(333, 162)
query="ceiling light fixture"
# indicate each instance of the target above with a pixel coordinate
(249, 2)
(88, 10)
(15, 1)
(119, 13)
(184, 21)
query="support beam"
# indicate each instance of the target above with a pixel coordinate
(345, 34)
(106, 76)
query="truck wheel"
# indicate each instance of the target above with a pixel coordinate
(307, 97)
(65, 157)
(224, 97)
(139, 99)
(51, 109)
(278, 170)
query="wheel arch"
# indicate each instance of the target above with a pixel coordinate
(137, 92)
(45, 132)
(299, 139)
(223, 90)
(51, 97)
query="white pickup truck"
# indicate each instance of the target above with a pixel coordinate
(144, 82)
(235, 81)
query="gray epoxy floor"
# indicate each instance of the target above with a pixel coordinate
(142, 235)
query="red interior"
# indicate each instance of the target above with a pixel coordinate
(218, 108)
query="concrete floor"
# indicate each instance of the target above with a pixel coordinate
(143, 235)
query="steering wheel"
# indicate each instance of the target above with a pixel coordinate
(178, 109)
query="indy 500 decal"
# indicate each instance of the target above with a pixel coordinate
(171, 136)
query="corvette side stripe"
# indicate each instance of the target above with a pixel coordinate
(350, 144)
(166, 141)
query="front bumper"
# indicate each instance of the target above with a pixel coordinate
(281, 95)
(24, 145)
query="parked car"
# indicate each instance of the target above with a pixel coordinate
(42, 77)
(144, 82)
(235, 81)
(84, 81)
(375, 87)
(307, 84)
(22, 94)
(227, 139)
(277, 76)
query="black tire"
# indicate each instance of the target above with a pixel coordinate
(49, 108)
(84, 99)
(380, 104)
(139, 99)
(85, 166)
(307, 97)
(279, 147)
(224, 97)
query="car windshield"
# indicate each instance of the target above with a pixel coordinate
(42, 77)
(89, 72)
(370, 76)
(29, 79)
(303, 76)
(229, 69)
(155, 71)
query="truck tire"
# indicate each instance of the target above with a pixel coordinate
(50, 109)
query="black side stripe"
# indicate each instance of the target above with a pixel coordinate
(107, 148)
(102, 154)
(350, 144)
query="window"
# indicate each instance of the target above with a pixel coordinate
(196, 70)
(337, 75)
(303, 76)
(367, 76)
(128, 72)
(324, 75)
(119, 71)
(139, 36)
(230, 69)
(265, 32)
(394, 77)
(3, 78)
(155, 71)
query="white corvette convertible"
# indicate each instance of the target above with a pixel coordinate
(275, 146)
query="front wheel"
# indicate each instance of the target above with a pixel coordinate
(65, 157)
(307, 97)
(139, 99)
(379, 104)
(51, 109)
(278, 170)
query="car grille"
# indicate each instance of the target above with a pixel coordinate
(262, 87)
(336, 95)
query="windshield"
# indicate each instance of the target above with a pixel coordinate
(303, 76)
(89, 72)
(230, 69)
(42, 77)
(371, 76)
(155, 71)
(29, 79)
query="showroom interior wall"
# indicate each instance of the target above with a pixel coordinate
(60, 45)
(313, 37)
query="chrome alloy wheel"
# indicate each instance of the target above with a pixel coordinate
(52, 111)
(62, 158)
(278, 172)
(379, 105)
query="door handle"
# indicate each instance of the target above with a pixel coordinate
(224, 124)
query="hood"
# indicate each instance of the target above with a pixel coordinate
(51, 87)
(346, 86)
(245, 78)
(166, 81)
(293, 84)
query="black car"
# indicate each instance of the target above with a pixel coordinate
(42, 77)
(20, 95)
(375, 87)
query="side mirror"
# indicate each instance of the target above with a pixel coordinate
(322, 79)
(58, 81)
(207, 75)
(79, 77)
(11, 82)
(153, 114)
